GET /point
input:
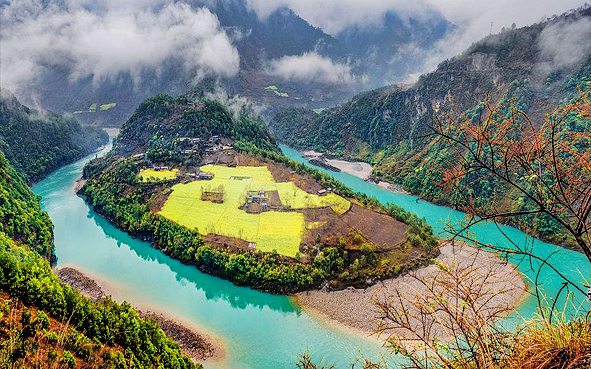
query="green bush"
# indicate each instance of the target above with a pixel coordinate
(68, 360)
(27, 277)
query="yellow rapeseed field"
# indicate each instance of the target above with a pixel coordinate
(270, 230)
(150, 175)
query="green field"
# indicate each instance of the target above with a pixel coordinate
(276, 91)
(270, 230)
(150, 175)
(105, 107)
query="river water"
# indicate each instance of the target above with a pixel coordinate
(572, 264)
(259, 330)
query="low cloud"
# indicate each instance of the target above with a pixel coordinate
(565, 43)
(476, 20)
(237, 104)
(114, 37)
(310, 67)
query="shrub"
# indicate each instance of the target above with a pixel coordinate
(68, 360)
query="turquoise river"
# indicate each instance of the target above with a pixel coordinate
(258, 330)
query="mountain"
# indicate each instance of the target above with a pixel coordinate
(38, 142)
(395, 48)
(369, 52)
(389, 126)
(159, 122)
(21, 217)
(257, 41)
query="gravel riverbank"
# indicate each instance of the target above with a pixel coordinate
(197, 346)
(357, 169)
(356, 309)
(192, 344)
(392, 187)
(80, 282)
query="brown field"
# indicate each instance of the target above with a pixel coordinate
(225, 242)
(274, 201)
(159, 197)
(215, 197)
(225, 157)
(253, 208)
(379, 229)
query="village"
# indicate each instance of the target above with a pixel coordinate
(213, 151)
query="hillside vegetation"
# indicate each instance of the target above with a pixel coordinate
(44, 323)
(38, 142)
(390, 127)
(21, 217)
(160, 121)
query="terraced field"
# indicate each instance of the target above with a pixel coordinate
(281, 230)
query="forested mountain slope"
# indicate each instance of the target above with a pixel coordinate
(159, 122)
(389, 127)
(38, 142)
(44, 323)
(21, 217)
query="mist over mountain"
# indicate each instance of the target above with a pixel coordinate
(68, 55)
(37, 142)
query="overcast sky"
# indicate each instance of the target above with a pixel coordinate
(474, 19)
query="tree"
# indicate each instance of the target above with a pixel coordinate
(548, 165)
(446, 316)
(449, 318)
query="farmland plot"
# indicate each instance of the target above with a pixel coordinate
(269, 230)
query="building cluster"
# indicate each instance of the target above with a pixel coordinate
(212, 145)
(201, 176)
(260, 197)
(190, 145)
